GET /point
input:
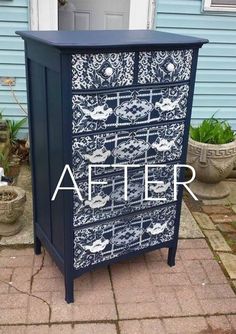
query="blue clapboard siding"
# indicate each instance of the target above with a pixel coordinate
(13, 16)
(216, 76)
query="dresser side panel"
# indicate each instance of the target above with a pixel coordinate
(44, 96)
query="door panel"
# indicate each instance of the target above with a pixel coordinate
(82, 21)
(94, 14)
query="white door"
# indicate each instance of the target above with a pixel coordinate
(94, 14)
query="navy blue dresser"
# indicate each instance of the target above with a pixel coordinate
(107, 98)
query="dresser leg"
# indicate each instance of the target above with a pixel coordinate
(69, 290)
(171, 256)
(37, 246)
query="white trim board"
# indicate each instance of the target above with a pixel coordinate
(207, 6)
(142, 15)
(44, 14)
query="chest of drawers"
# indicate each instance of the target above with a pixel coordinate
(107, 98)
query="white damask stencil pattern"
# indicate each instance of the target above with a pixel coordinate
(164, 66)
(101, 111)
(108, 200)
(148, 145)
(102, 70)
(125, 235)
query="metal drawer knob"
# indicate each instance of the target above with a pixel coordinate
(170, 67)
(108, 71)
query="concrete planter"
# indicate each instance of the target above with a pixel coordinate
(212, 163)
(12, 202)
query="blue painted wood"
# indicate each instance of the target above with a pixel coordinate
(12, 110)
(12, 70)
(212, 63)
(216, 75)
(215, 35)
(191, 21)
(58, 136)
(11, 43)
(105, 38)
(13, 16)
(15, 3)
(20, 14)
(8, 28)
(200, 112)
(231, 121)
(19, 86)
(214, 101)
(219, 50)
(6, 97)
(13, 57)
(217, 88)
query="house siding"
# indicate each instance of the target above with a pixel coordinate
(215, 90)
(13, 16)
(216, 76)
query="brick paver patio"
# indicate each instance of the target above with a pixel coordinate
(141, 296)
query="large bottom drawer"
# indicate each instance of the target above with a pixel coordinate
(125, 235)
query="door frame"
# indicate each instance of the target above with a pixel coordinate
(44, 14)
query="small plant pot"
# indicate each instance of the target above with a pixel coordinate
(212, 163)
(14, 167)
(4, 139)
(12, 203)
(13, 170)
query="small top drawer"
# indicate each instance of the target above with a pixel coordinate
(164, 66)
(102, 70)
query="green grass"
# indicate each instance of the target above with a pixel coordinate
(213, 131)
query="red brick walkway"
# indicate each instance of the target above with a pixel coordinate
(142, 296)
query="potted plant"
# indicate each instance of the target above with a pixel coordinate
(212, 153)
(12, 202)
(4, 137)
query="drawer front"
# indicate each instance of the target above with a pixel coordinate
(122, 236)
(108, 201)
(102, 70)
(164, 66)
(94, 112)
(157, 144)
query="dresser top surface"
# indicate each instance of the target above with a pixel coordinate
(109, 38)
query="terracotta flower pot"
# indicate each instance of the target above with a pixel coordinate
(212, 163)
(12, 203)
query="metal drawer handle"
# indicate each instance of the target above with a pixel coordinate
(97, 202)
(170, 67)
(108, 71)
(99, 155)
(156, 229)
(97, 246)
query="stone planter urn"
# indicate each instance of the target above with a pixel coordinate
(12, 203)
(212, 163)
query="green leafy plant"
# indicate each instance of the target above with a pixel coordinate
(14, 127)
(4, 163)
(213, 131)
